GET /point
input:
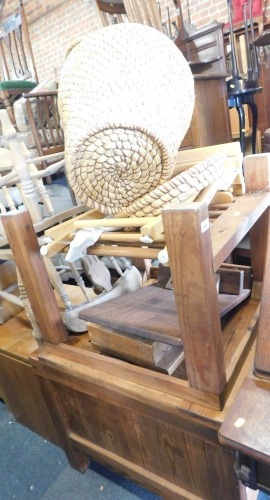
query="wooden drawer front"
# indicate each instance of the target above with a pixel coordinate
(203, 48)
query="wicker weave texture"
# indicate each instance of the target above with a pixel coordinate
(126, 98)
(178, 189)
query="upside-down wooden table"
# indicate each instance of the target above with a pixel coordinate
(160, 430)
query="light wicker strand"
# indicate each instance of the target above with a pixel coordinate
(179, 188)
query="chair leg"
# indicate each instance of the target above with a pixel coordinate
(4, 96)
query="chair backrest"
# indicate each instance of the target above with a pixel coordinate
(16, 55)
(135, 11)
(44, 121)
(258, 7)
(111, 13)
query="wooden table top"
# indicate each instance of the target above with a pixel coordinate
(246, 427)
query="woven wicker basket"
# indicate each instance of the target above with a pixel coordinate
(126, 97)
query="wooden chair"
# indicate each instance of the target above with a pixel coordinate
(44, 121)
(17, 66)
(258, 11)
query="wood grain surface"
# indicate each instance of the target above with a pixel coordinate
(23, 241)
(246, 427)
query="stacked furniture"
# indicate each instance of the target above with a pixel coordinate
(160, 430)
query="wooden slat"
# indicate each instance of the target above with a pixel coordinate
(60, 363)
(133, 11)
(199, 154)
(121, 222)
(27, 45)
(56, 119)
(133, 348)
(40, 113)
(153, 228)
(190, 157)
(60, 232)
(125, 237)
(118, 251)
(113, 250)
(155, 15)
(138, 350)
(207, 193)
(235, 223)
(258, 245)
(227, 302)
(59, 218)
(56, 232)
(189, 246)
(77, 366)
(244, 326)
(47, 113)
(222, 197)
(24, 245)
(146, 13)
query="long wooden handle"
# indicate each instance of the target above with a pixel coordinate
(117, 251)
(125, 222)
(24, 244)
(126, 237)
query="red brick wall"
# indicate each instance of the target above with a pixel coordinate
(202, 12)
(53, 24)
